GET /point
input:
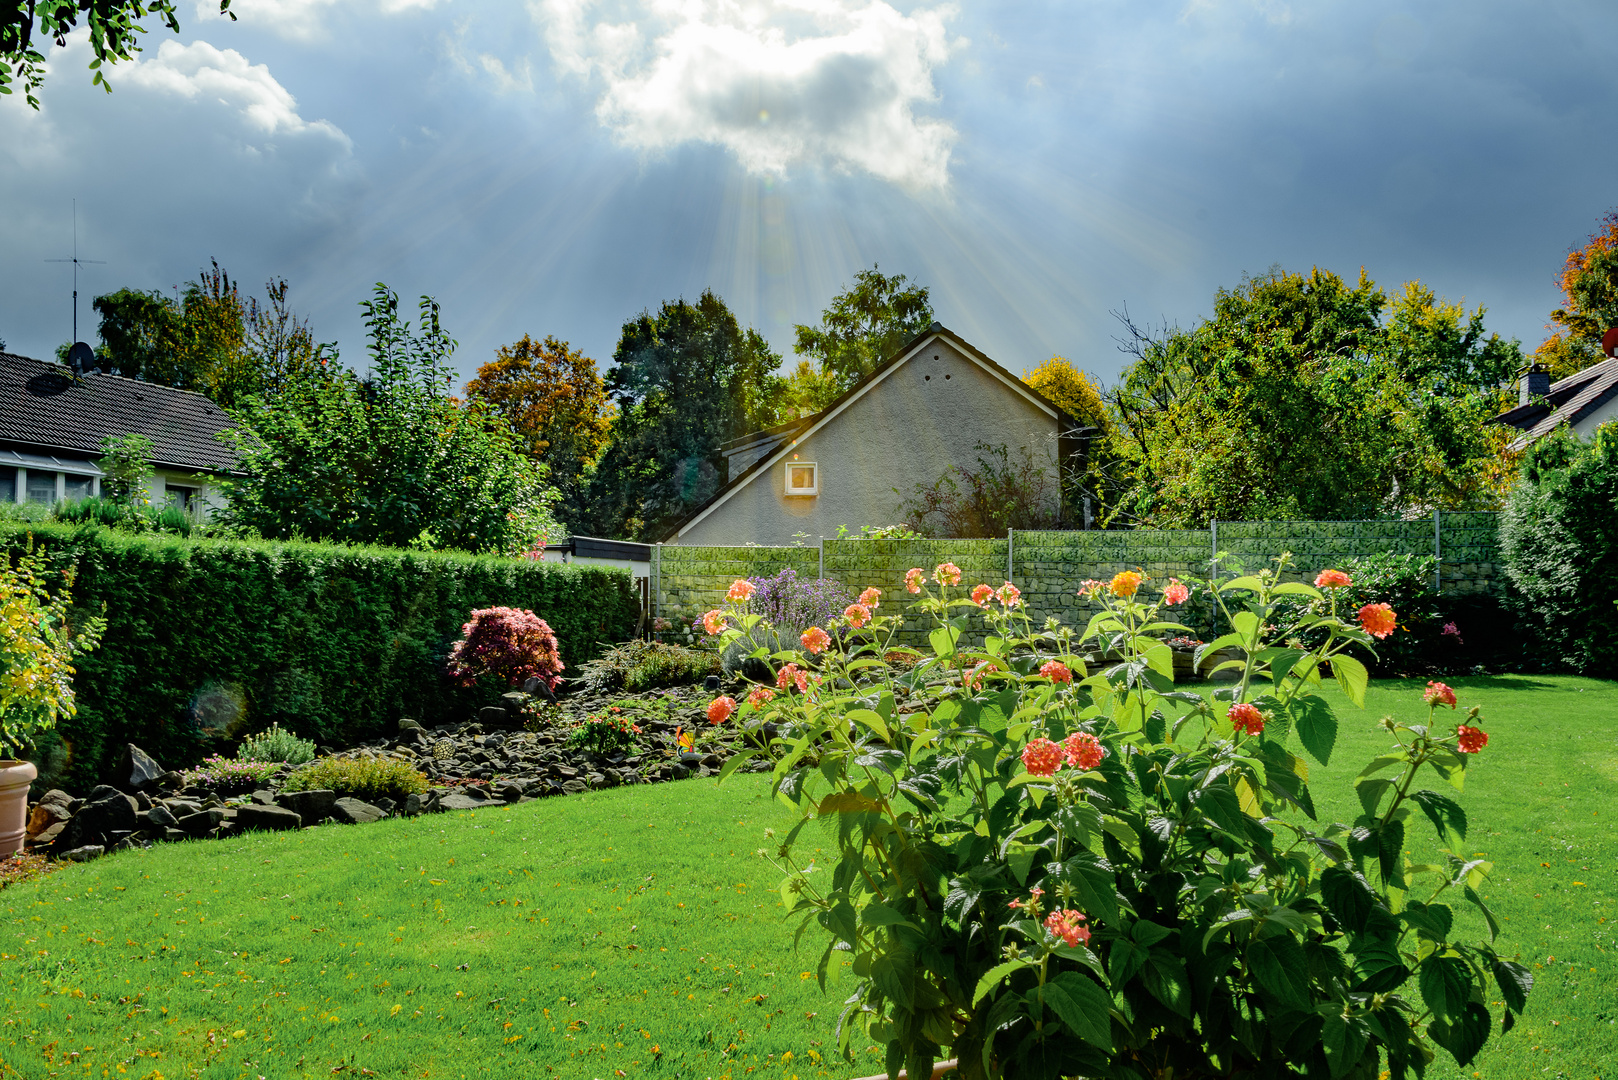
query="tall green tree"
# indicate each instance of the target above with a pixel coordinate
(556, 402)
(114, 25)
(389, 459)
(1310, 396)
(684, 381)
(208, 338)
(865, 324)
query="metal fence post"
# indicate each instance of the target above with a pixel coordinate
(1438, 556)
(822, 571)
(1009, 533)
(657, 581)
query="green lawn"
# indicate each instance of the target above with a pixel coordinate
(569, 937)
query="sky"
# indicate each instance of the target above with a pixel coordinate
(556, 167)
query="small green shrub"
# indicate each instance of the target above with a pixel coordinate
(366, 778)
(646, 665)
(276, 744)
(229, 777)
(604, 733)
(1560, 546)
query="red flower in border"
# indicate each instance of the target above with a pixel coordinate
(981, 594)
(815, 639)
(1438, 694)
(1177, 592)
(1246, 718)
(1332, 579)
(1056, 671)
(720, 708)
(1083, 750)
(1378, 620)
(913, 578)
(1042, 757)
(1471, 739)
(740, 590)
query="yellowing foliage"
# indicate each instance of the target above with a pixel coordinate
(1072, 390)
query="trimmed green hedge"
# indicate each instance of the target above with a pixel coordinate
(209, 640)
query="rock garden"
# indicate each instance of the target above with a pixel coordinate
(528, 747)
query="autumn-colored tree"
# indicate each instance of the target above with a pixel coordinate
(864, 324)
(1589, 284)
(1071, 390)
(208, 339)
(556, 402)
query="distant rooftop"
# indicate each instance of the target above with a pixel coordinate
(48, 408)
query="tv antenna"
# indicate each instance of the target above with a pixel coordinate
(77, 262)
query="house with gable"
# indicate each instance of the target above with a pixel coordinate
(1583, 401)
(925, 408)
(53, 420)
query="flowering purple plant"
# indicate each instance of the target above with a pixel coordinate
(229, 777)
(511, 644)
(788, 601)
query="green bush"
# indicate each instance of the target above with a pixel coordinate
(1405, 582)
(1559, 539)
(209, 638)
(277, 744)
(646, 665)
(364, 778)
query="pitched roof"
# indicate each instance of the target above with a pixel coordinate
(786, 435)
(47, 407)
(1568, 401)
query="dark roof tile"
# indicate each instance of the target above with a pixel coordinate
(46, 406)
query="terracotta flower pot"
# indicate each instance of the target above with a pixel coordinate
(15, 776)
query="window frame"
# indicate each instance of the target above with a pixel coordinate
(798, 492)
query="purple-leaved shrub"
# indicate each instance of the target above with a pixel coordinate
(511, 644)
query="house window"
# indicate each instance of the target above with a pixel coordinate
(75, 486)
(183, 497)
(41, 487)
(803, 478)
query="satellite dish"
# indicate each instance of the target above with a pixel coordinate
(1609, 342)
(81, 357)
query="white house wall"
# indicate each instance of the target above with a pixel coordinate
(1606, 414)
(928, 412)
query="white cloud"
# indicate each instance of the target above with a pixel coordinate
(300, 20)
(779, 83)
(200, 72)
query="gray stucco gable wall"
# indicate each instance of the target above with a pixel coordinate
(930, 411)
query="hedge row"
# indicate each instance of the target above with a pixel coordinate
(207, 640)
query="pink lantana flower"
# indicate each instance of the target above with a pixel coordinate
(1010, 596)
(1083, 750)
(759, 696)
(815, 639)
(1056, 671)
(1042, 757)
(871, 597)
(947, 573)
(740, 590)
(714, 622)
(981, 594)
(857, 615)
(913, 578)
(1176, 593)
(1068, 926)
(720, 709)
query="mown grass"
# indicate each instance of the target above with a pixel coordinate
(636, 930)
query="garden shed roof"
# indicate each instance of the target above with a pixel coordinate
(46, 407)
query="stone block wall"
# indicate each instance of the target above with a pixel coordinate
(1050, 567)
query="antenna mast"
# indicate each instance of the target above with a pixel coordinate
(77, 262)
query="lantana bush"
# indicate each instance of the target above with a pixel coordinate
(1048, 869)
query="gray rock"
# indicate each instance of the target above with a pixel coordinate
(355, 812)
(181, 807)
(46, 814)
(99, 818)
(58, 797)
(157, 819)
(260, 816)
(176, 834)
(312, 806)
(102, 791)
(574, 787)
(494, 716)
(679, 772)
(511, 792)
(596, 780)
(417, 804)
(84, 853)
(460, 800)
(138, 768)
(406, 724)
(143, 801)
(49, 835)
(169, 781)
(202, 822)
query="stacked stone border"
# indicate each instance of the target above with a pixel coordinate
(1049, 567)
